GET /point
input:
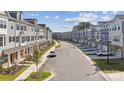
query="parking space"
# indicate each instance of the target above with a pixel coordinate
(91, 52)
(102, 57)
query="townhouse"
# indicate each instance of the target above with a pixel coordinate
(18, 36)
(115, 29)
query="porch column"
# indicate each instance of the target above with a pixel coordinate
(9, 61)
(18, 56)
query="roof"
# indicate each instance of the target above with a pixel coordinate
(120, 16)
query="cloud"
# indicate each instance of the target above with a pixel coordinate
(32, 14)
(73, 20)
(115, 12)
(63, 29)
(88, 17)
(56, 17)
(46, 17)
(104, 12)
(105, 18)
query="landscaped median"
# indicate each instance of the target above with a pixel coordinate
(115, 65)
(58, 46)
(44, 76)
(12, 76)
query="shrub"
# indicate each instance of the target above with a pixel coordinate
(1, 69)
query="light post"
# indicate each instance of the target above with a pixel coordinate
(108, 42)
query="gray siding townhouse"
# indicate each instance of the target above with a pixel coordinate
(18, 36)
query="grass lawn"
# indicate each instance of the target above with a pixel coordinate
(115, 65)
(44, 75)
(59, 46)
(89, 53)
(12, 77)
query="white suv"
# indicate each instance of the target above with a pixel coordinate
(103, 53)
(53, 53)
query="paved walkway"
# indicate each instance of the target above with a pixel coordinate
(32, 68)
(118, 76)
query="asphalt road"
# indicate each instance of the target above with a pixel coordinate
(71, 65)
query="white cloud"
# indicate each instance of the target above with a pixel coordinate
(32, 14)
(73, 20)
(105, 18)
(56, 17)
(88, 17)
(63, 29)
(104, 12)
(46, 17)
(115, 12)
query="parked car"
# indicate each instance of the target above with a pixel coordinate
(103, 53)
(53, 53)
(83, 47)
(90, 49)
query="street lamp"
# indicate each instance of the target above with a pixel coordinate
(108, 42)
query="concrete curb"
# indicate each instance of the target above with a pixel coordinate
(50, 77)
(93, 64)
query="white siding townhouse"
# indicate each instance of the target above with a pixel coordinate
(18, 36)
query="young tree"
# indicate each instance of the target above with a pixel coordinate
(36, 57)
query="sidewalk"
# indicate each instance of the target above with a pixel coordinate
(32, 68)
(95, 67)
(118, 76)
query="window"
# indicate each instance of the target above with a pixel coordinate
(112, 27)
(17, 27)
(32, 38)
(13, 39)
(32, 29)
(23, 39)
(28, 38)
(118, 28)
(2, 24)
(25, 28)
(21, 27)
(116, 38)
(10, 39)
(2, 41)
(17, 39)
(11, 25)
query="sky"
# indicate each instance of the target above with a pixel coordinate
(63, 21)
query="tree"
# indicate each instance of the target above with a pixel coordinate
(84, 25)
(36, 57)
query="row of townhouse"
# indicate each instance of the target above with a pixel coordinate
(99, 35)
(18, 36)
(61, 35)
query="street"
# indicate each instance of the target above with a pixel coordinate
(71, 65)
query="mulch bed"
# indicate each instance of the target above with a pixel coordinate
(11, 71)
